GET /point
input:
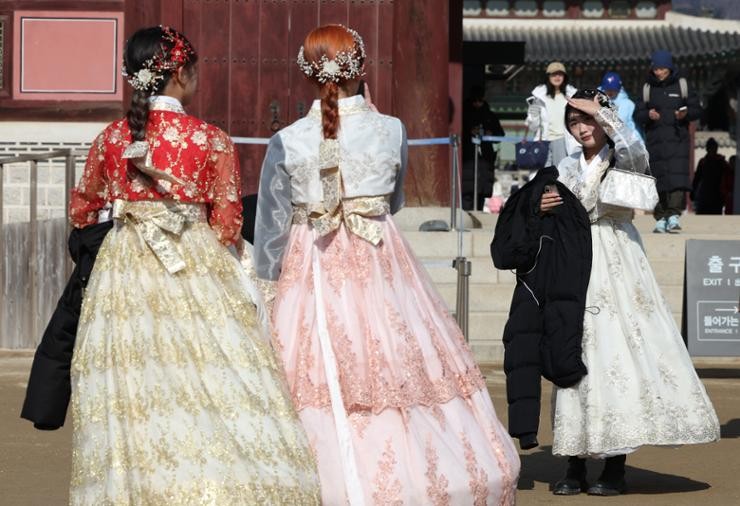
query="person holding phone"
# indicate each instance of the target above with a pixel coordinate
(641, 388)
(667, 108)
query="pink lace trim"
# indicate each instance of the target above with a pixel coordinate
(478, 478)
(437, 488)
(375, 391)
(387, 492)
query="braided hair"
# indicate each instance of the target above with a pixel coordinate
(330, 56)
(152, 55)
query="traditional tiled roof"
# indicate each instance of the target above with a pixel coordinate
(595, 44)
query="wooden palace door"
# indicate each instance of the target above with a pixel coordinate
(250, 85)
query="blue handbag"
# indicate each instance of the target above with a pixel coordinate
(532, 154)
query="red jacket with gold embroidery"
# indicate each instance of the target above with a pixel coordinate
(199, 154)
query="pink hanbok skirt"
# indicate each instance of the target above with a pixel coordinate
(394, 405)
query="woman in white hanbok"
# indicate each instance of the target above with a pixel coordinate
(641, 387)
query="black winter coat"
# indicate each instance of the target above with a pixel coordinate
(552, 256)
(667, 139)
(48, 391)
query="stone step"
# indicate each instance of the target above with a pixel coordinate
(476, 244)
(667, 271)
(484, 297)
(690, 224)
(487, 330)
(410, 218)
(490, 289)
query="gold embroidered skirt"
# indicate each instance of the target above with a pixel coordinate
(177, 398)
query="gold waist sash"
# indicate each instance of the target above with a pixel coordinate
(353, 212)
(157, 222)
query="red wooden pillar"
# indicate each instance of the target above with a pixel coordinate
(421, 95)
(456, 70)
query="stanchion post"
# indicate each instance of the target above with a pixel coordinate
(2, 253)
(462, 306)
(453, 187)
(476, 148)
(33, 252)
(69, 181)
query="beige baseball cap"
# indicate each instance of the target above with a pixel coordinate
(555, 66)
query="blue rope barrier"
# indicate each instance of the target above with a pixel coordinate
(495, 138)
(435, 141)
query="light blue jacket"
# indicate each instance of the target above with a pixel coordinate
(626, 108)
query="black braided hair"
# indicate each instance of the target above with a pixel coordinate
(142, 47)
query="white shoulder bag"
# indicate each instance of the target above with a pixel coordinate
(626, 188)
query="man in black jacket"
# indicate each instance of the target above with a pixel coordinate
(552, 256)
(664, 113)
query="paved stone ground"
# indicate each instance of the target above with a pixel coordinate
(35, 465)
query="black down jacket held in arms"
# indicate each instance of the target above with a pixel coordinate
(48, 391)
(552, 256)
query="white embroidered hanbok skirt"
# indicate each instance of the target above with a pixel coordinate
(177, 396)
(641, 387)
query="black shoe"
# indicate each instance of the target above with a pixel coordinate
(611, 481)
(607, 488)
(528, 441)
(570, 486)
(575, 478)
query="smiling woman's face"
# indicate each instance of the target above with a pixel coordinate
(586, 131)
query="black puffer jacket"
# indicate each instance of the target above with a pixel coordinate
(667, 139)
(552, 256)
(48, 391)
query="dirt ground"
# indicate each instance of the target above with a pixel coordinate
(35, 465)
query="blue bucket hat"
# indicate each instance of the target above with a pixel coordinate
(661, 58)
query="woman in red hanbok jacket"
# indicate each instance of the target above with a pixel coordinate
(177, 397)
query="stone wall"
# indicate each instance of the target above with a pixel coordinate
(40, 137)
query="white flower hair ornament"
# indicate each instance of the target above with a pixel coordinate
(154, 70)
(145, 79)
(345, 66)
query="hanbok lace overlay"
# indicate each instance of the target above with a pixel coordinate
(177, 395)
(382, 378)
(199, 155)
(641, 388)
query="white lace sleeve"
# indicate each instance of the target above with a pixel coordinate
(629, 150)
(274, 213)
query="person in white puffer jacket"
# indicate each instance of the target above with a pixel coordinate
(546, 112)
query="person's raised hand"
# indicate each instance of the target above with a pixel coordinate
(653, 115)
(590, 107)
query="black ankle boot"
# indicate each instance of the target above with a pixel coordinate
(575, 478)
(611, 481)
(528, 441)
